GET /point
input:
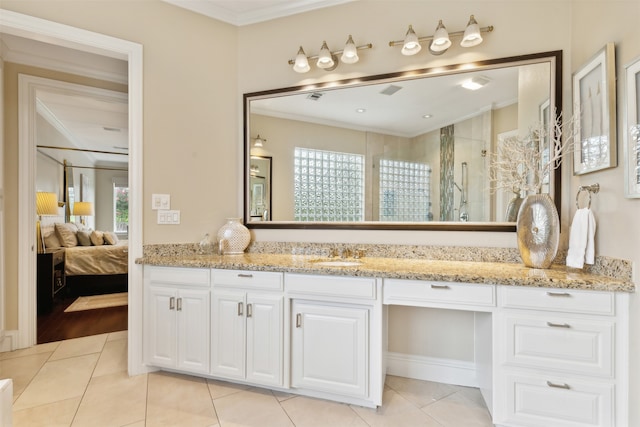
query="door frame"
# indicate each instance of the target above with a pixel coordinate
(87, 41)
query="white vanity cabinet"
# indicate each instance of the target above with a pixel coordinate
(336, 332)
(176, 318)
(247, 315)
(559, 358)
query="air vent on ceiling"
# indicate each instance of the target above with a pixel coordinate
(315, 96)
(108, 129)
(390, 90)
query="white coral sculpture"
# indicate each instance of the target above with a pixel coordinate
(523, 164)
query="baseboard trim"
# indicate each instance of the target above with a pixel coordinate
(432, 369)
(8, 340)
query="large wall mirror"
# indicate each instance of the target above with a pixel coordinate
(407, 150)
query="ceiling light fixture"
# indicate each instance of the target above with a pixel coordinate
(475, 83)
(326, 59)
(361, 110)
(441, 40)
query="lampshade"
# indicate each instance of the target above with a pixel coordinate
(301, 64)
(441, 40)
(325, 59)
(83, 208)
(46, 203)
(259, 142)
(411, 44)
(350, 53)
(472, 35)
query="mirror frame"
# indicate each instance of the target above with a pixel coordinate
(553, 57)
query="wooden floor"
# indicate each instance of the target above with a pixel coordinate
(57, 325)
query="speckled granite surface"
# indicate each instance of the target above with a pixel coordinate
(450, 264)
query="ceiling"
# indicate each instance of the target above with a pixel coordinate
(245, 12)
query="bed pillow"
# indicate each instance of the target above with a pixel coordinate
(67, 234)
(50, 237)
(84, 238)
(97, 238)
(110, 238)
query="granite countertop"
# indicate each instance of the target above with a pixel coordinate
(500, 273)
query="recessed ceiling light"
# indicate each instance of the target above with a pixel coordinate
(361, 110)
(427, 116)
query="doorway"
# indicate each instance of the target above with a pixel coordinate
(61, 35)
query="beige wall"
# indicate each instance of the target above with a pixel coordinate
(195, 70)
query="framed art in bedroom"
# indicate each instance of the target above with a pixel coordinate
(594, 106)
(632, 130)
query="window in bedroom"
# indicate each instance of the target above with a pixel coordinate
(121, 205)
(328, 186)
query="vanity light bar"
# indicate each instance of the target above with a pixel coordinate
(301, 62)
(487, 29)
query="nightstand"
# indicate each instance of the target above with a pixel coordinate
(50, 278)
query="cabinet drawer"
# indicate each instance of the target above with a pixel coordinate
(177, 276)
(557, 401)
(565, 300)
(248, 279)
(333, 286)
(425, 293)
(553, 342)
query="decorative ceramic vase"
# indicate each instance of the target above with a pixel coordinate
(538, 229)
(511, 214)
(233, 237)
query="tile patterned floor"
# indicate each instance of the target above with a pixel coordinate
(83, 382)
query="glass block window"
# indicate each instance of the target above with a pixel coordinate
(328, 186)
(405, 191)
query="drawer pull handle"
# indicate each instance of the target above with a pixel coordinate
(248, 276)
(439, 287)
(558, 325)
(249, 310)
(179, 308)
(563, 386)
(172, 303)
(240, 309)
(559, 294)
(298, 320)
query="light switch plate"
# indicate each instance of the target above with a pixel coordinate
(168, 217)
(160, 201)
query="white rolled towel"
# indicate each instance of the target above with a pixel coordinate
(581, 239)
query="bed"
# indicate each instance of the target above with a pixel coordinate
(95, 262)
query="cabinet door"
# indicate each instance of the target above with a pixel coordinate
(228, 333)
(330, 348)
(264, 339)
(160, 327)
(192, 307)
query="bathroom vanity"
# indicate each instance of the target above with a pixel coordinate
(550, 346)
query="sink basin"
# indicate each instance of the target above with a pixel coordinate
(338, 263)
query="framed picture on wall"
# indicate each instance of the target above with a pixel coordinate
(632, 130)
(594, 106)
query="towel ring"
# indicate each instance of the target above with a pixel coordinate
(594, 188)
